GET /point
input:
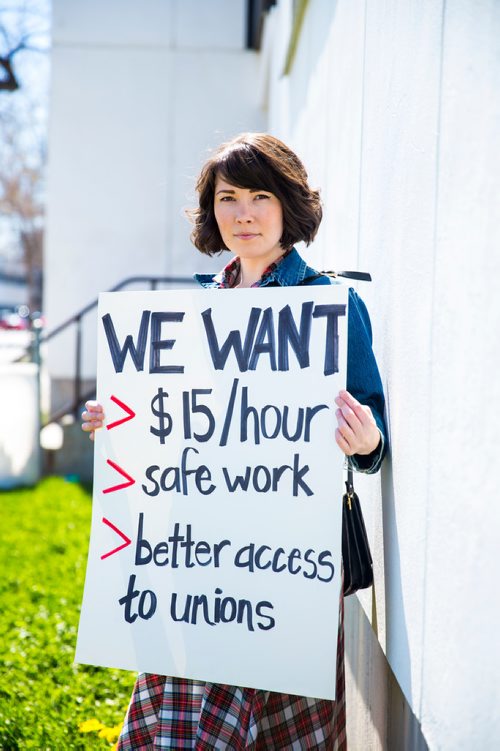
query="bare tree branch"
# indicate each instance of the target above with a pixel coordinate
(6, 38)
(17, 39)
(9, 81)
(23, 139)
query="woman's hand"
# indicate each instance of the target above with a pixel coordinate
(92, 418)
(357, 431)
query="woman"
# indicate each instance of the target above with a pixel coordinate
(255, 201)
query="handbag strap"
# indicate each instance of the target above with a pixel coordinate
(362, 276)
(349, 486)
(350, 478)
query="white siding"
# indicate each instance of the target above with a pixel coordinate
(394, 108)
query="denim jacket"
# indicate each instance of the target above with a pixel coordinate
(363, 378)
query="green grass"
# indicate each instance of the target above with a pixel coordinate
(43, 694)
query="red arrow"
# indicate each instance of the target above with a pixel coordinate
(130, 480)
(118, 532)
(130, 413)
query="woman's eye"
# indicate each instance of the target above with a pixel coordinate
(262, 195)
(227, 198)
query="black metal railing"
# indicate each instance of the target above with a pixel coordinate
(78, 396)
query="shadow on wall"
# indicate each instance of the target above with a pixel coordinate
(397, 646)
(378, 716)
(379, 712)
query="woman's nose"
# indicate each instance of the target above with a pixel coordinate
(244, 213)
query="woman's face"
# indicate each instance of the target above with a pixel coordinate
(250, 221)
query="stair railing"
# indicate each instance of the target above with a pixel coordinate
(78, 397)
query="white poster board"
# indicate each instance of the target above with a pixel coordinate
(215, 549)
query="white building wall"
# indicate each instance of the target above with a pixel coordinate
(461, 629)
(19, 435)
(139, 92)
(394, 108)
(13, 292)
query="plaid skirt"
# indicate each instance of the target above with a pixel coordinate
(175, 713)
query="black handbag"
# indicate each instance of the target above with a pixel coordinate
(356, 556)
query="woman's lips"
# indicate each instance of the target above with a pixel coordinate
(246, 235)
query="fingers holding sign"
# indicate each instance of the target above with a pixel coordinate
(357, 431)
(92, 418)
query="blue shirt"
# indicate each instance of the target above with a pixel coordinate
(363, 378)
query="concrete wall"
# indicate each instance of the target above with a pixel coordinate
(394, 108)
(140, 92)
(19, 447)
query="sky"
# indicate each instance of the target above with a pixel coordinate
(23, 113)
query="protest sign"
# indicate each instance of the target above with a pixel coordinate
(216, 528)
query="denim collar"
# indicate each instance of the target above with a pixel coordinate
(288, 273)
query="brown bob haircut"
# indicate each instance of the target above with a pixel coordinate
(257, 161)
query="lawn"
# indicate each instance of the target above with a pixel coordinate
(46, 701)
